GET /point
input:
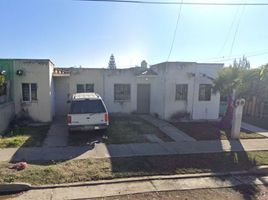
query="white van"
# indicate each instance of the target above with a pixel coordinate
(87, 112)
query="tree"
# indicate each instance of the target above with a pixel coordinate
(242, 63)
(228, 80)
(226, 83)
(111, 64)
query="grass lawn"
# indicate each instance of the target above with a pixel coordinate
(108, 168)
(211, 131)
(122, 129)
(262, 123)
(24, 137)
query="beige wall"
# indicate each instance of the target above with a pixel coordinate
(40, 72)
(7, 113)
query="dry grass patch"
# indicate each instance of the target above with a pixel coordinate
(96, 169)
(123, 129)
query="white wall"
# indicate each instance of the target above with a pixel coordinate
(206, 109)
(180, 73)
(163, 88)
(7, 113)
(120, 77)
(35, 71)
(52, 90)
(87, 75)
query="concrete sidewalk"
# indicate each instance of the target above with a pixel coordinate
(255, 129)
(170, 130)
(132, 186)
(102, 150)
(57, 134)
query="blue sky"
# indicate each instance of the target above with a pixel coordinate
(73, 33)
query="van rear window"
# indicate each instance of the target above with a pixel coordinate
(87, 106)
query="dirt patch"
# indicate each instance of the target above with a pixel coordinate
(211, 131)
(123, 129)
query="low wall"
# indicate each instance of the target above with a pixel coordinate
(7, 111)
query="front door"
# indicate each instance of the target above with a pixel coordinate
(143, 98)
(61, 88)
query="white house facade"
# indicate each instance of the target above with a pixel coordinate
(40, 90)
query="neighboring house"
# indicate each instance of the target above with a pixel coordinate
(40, 90)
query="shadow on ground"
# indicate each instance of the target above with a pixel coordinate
(151, 165)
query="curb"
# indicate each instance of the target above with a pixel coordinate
(8, 188)
(139, 179)
(21, 187)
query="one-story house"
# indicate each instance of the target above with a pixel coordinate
(35, 87)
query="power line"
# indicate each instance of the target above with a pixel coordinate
(175, 31)
(233, 57)
(181, 3)
(229, 31)
(257, 52)
(236, 30)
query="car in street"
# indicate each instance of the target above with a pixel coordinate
(87, 112)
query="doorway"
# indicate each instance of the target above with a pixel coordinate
(143, 98)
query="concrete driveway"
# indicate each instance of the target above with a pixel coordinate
(58, 133)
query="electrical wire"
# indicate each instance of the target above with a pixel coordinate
(233, 57)
(175, 32)
(184, 3)
(229, 31)
(236, 30)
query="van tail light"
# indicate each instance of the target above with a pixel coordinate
(106, 117)
(69, 119)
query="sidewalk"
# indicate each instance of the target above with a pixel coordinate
(134, 186)
(255, 129)
(57, 134)
(127, 150)
(170, 130)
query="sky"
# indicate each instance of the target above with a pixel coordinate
(78, 33)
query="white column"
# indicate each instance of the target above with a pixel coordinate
(237, 118)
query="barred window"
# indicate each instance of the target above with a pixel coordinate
(29, 91)
(205, 92)
(181, 92)
(121, 92)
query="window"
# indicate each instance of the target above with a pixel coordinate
(29, 91)
(80, 88)
(87, 106)
(205, 92)
(89, 87)
(181, 92)
(121, 92)
(84, 88)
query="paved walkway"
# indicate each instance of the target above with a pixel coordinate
(170, 130)
(125, 187)
(127, 150)
(255, 129)
(57, 134)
